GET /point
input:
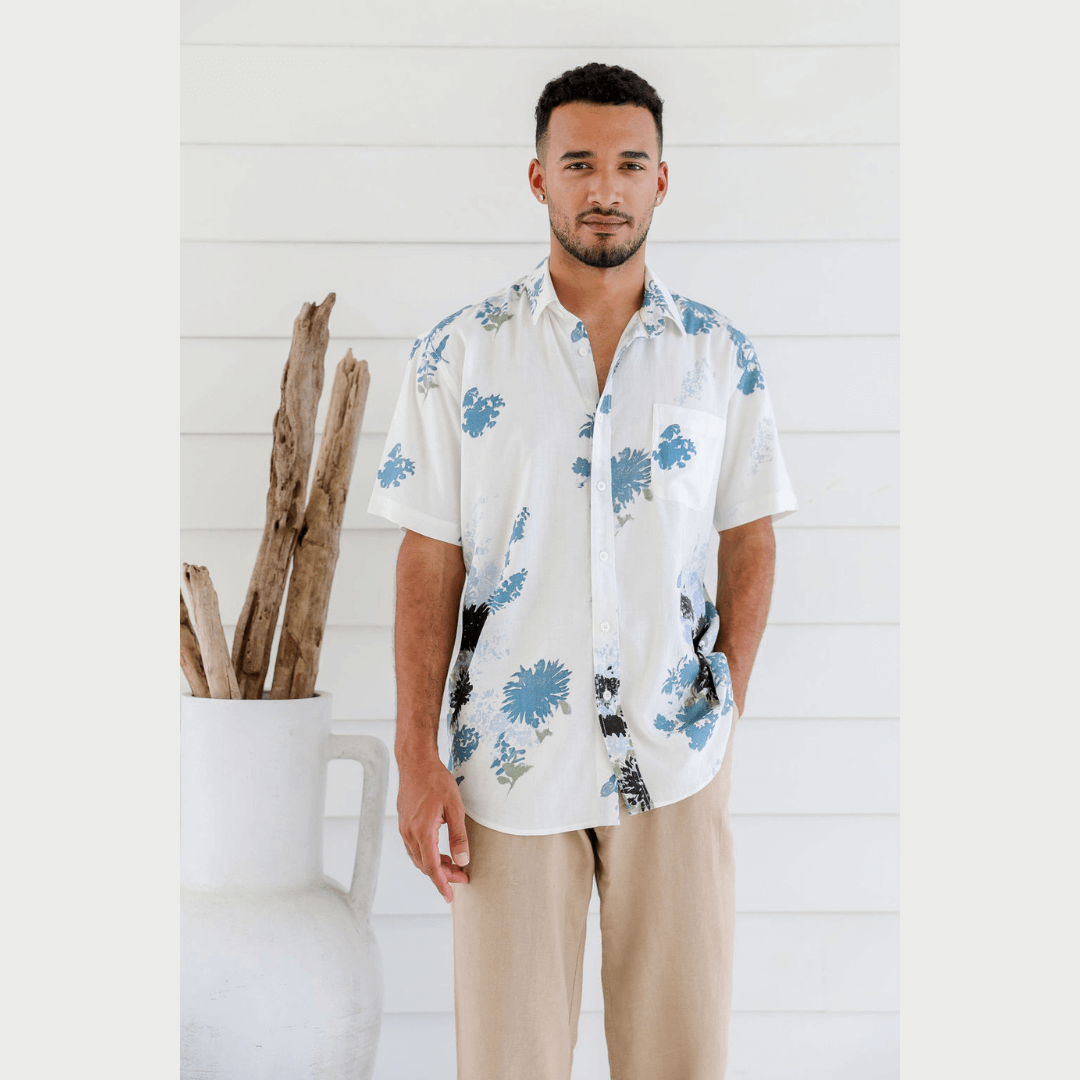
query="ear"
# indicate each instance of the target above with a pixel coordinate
(661, 182)
(537, 180)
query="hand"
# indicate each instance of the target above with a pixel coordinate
(427, 796)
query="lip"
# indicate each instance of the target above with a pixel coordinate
(603, 223)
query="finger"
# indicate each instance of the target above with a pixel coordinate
(453, 871)
(455, 823)
(433, 865)
(427, 847)
(438, 879)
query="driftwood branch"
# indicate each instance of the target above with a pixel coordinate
(319, 543)
(290, 463)
(190, 656)
(213, 647)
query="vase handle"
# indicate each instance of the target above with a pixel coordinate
(374, 757)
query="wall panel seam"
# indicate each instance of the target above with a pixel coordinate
(766, 47)
(520, 243)
(528, 147)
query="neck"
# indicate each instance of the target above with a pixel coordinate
(588, 291)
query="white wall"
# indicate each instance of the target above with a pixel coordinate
(380, 153)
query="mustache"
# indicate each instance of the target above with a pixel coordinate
(603, 213)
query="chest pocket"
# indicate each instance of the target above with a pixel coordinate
(685, 459)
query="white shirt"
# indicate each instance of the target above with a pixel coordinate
(585, 663)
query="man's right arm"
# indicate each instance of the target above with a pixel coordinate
(430, 579)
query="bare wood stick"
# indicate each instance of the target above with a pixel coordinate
(220, 676)
(190, 657)
(319, 543)
(290, 463)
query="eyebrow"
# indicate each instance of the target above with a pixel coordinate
(577, 155)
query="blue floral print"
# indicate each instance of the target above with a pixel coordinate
(492, 314)
(481, 600)
(480, 412)
(509, 589)
(697, 318)
(432, 355)
(509, 764)
(532, 290)
(517, 532)
(395, 468)
(533, 694)
(751, 378)
(652, 309)
(674, 449)
(695, 697)
(630, 474)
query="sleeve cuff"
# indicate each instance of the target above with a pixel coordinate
(779, 504)
(417, 520)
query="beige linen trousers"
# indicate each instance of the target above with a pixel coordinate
(666, 882)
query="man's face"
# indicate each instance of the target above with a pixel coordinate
(601, 178)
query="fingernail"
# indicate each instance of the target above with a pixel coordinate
(462, 858)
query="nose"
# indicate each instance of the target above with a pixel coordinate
(605, 190)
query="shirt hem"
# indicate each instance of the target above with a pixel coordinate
(541, 832)
(417, 520)
(701, 787)
(595, 825)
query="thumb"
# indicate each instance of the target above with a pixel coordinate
(459, 840)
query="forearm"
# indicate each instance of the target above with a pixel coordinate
(747, 561)
(430, 577)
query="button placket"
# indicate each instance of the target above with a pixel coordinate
(586, 369)
(604, 584)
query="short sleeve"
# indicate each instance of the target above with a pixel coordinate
(753, 480)
(418, 484)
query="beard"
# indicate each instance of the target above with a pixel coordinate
(604, 252)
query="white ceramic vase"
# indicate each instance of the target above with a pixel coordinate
(280, 975)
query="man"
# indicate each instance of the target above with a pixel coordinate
(559, 456)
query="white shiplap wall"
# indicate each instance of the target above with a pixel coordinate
(380, 152)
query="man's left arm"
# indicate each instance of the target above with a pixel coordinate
(744, 584)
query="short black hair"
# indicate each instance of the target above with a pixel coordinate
(602, 84)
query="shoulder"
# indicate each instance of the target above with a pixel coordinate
(494, 311)
(486, 315)
(698, 318)
(443, 347)
(433, 353)
(738, 351)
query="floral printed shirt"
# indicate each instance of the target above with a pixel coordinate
(586, 663)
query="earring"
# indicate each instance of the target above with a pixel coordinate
(542, 197)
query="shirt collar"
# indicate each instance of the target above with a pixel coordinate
(657, 308)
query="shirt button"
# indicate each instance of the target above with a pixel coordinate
(600, 485)
(603, 556)
(583, 351)
(605, 626)
(607, 695)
